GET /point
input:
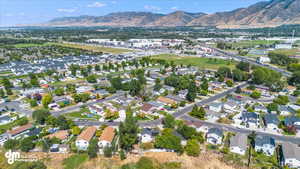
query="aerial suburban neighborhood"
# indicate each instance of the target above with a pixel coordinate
(91, 92)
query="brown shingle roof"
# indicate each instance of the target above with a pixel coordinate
(87, 134)
(108, 134)
(20, 129)
(146, 107)
(62, 135)
(166, 100)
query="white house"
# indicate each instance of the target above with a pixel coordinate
(265, 144)
(238, 143)
(214, 136)
(217, 107)
(82, 141)
(271, 121)
(106, 137)
(291, 155)
(263, 59)
(147, 135)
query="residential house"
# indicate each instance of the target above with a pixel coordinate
(251, 119)
(231, 106)
(265, 144)
(238, 143)
(271, 121)
(284, 110)
(148, 134)
(20, 131)
(147, 108)
(260, 108)
(3, 138)
(5, 119)
(82, 141)
(61, 135)
(96, 109)
(216, 107)
(166, 101)
(182, 93)
(106, 137)
(291, 155)
(214, 136)
(292, 121)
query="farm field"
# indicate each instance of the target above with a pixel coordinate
(202, 63)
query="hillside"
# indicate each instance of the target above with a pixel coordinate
(262, 14)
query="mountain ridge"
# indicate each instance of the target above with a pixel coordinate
(262, 14)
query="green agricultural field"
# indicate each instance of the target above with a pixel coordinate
(202, 63)
(94, 48)
(27, 45)
(252, 43)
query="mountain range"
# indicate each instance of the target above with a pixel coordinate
(262, 14)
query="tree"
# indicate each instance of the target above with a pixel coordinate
(169, 121)
(158, 84)
(186, 131)
(272, 107)
(122, 155)
(62, 122)
(145, 163)
(239, 75)
(198, 112)
(135, 87)
(75, 130)
(128, 132)
(192, 148)
(244, 66)
(27, 144)
(255, 94)
(46, 100)
(92, 79)
(238, 90)
(33, 103)
(295, 79)
(2, 93)
(59, 91)
(93, 148)
(192, 92)
(259, 76)
(282, 100)
(204, 85)
(11, 144)
(168, 140)
(224, 71)
(107, 151)
(229, 83)
(40, 115)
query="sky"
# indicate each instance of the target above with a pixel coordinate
(15, 12)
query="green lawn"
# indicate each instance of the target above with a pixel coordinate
(78, 114)
(9, 126)
(75, 161)
(202, 63)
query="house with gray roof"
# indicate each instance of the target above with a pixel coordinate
(292, 121)
(238, 143)
(271, 121)
(214, 136)
(251, 119)
(265, 144)
(291, 155)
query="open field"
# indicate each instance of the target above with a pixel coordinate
(202, 63)
(94, 48)
(288, 52)
(81, 161)
(252, 43)
(27, 45)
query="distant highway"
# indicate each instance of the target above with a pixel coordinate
(245, 59)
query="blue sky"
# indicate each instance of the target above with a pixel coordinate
(14, 12)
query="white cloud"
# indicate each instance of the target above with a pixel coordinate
(113, 2)
(67, 10)
(174, 8)
(96, 5)
(152, 8)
